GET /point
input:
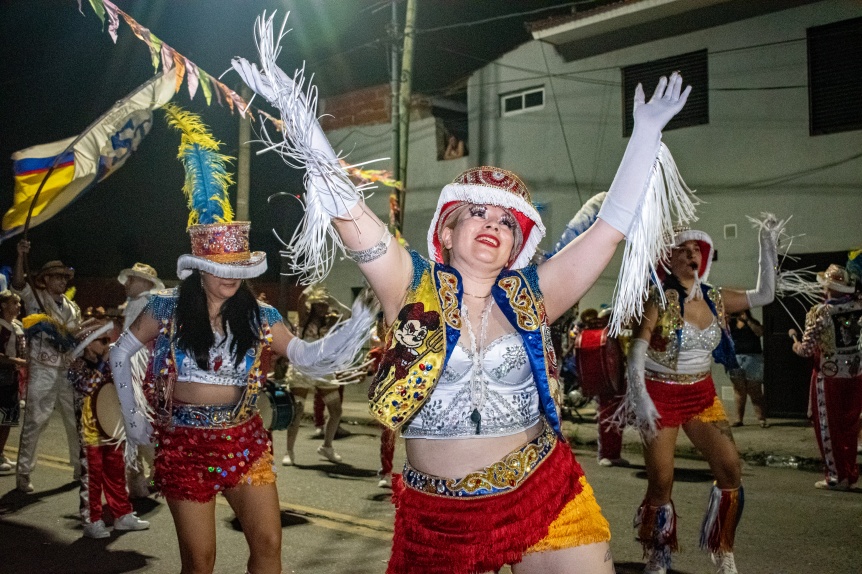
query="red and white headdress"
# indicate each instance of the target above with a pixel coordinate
(489, 186)
(704, 243)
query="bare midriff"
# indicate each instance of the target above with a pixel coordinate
(455, 458)
(206, 394)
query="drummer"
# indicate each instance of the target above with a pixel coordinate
(103, 469)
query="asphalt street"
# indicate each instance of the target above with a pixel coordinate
(336, 520)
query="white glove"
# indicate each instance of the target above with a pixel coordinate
(336, 193)
(767, 263)
(627, 189)
(139, 431)
(637, 409)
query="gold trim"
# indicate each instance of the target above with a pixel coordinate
(675, 378)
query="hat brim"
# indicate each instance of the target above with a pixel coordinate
(252, 267)
(79, 350)
(126, 273)
(488, 195)
(832, 285)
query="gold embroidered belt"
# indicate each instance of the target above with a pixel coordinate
(498, 478)
(675, 378)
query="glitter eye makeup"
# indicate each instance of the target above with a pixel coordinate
(508, 221)
(478, 211)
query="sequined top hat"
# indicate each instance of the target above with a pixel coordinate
(219, 245)
(704, 243)
(490, 186)
(836, 278)
(90, 330)
(143, 271)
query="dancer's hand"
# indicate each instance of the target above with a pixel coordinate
(666, 102)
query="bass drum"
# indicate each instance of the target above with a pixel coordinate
(108, 413)
(275, 404)
(599, 361)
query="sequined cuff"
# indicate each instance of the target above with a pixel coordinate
(374, 252)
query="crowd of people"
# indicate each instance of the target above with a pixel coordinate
(463, 366)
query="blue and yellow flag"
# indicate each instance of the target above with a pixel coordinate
(82, 161)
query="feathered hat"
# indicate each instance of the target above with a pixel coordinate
(490, 186)
(219, 244)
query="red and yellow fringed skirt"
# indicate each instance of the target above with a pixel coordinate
(196, 463)
(535, 499)
(681, 398)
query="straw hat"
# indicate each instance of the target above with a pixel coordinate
(143, 271)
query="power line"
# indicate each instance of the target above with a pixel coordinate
(503, 17)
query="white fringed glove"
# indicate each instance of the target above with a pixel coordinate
(339, 349)
(637, 409)
(139, 431)
(764, 293)
(627, 189)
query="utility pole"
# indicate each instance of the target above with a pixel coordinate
(394, 75)
(243, 164)
(404, 105)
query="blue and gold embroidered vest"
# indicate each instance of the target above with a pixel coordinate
(426, 330)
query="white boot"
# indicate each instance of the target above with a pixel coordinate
(724, 562)
(655, 563)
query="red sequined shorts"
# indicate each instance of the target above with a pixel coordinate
(680, 402)
(194, 463)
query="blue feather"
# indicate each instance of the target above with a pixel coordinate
(582, 221)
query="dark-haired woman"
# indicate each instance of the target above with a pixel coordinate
(670, 386)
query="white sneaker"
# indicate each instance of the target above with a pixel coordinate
(605, 462)
(724, 562)
(5, 464)
(288, 459)
(25, 486)
(318, 432)
(385, 481)
(329, 453)
(130, 522)
(613, 462)
(96, 530)
(828, 485)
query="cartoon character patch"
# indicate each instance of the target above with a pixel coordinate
(411, 330)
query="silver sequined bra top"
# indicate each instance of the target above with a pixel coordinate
(221, 371)
(695, 351)
(511, 399)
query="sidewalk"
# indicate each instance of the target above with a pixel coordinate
(784, 438)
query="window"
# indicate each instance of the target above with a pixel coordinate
(835, 77)
(522, 101)
(693, 67)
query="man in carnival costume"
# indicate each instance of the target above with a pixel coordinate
(141, 281)
(831, 338)
(490, 401)
(52, 318)
(213, 341)
(684, 328)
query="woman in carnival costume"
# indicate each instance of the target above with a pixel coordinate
(683, 328)
(213, 343)
(468, 372)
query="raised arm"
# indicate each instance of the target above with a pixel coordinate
(570, 273)
(736, 300)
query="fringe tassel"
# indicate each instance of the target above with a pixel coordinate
(353, 333)
(302, 145)
(656, 531)
(722, 517)
(581, 522)
(651, 237)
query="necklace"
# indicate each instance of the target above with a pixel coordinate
(478, 387)
(478, 296)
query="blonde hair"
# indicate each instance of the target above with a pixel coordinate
(454, 216)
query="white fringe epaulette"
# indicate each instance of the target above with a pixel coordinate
(314, 245)
(800, 283)
(363, 315)
(667, 202)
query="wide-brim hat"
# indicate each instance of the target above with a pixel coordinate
(90, 330)
(55, 267)
(488, 185)
(837, 278)
(704, 243)
(222, 249)
(143, 271)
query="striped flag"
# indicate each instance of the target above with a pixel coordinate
(82, 161)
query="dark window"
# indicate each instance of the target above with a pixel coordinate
(693, 67)
(522, 101)
(835, 77)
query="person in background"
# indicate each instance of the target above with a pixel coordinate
(747, 380)
(609, 400)
(831, 337)
(56, 317)
(12, 363)
(103, 470)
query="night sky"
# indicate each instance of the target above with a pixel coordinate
(60, 71)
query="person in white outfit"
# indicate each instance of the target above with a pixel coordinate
(50, 343)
